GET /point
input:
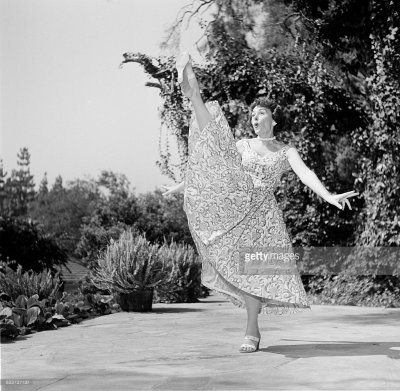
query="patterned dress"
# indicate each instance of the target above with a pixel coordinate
(232, 211)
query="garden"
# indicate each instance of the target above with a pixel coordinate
(334, 69)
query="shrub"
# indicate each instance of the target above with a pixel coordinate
(128, 264)
(184, 282)
(132, 263)
(363, 290)
(16, 283)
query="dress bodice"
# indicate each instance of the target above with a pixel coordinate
(265, 171)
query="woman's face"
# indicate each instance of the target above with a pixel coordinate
(261, 119)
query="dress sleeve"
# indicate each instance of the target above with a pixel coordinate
(287, 164)
(239, 144)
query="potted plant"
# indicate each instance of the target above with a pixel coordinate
(131, 267)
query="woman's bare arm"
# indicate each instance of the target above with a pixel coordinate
(310, 179)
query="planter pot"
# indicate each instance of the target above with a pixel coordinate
(137, 301)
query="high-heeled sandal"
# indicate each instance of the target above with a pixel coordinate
(181, 61)
(250, 348)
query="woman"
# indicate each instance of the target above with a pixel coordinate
(232, 212)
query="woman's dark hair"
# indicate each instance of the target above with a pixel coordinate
(276, 109)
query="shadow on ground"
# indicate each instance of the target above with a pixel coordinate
(336, 348)
(174, 310)
(368, 319)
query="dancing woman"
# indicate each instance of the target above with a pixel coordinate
(230, 206)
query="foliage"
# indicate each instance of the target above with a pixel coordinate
(344, 28)
(334, 67)
(132, 263)
(362, 39)
(362, 290)
(128, 264)
(61, 210)
(157, 217)
(317, 118)
(163, 219)
(23, 242)
(114, 211)
(380, 148)
(28, 315)
(184, 284)
(18, 189)
(27, 283)
(33, 302)
(95, 237)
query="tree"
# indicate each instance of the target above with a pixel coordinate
(163, 218)
(23, 243)
(362, 38)
(58, 184)
(318, 115)
(43, 188)
(337, 77)
(61, 211)
(3, 190)
(113, 211)
(18, 189)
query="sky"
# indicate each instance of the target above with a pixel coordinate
(64, 97)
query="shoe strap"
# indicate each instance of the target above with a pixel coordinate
(245, 346)
(252, 338)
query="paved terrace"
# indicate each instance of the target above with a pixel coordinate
(195, 347)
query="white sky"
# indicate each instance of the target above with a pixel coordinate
(63, 95)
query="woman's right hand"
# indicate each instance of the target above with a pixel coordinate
(168, 190)
(336, 199)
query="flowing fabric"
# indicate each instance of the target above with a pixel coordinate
(231, 208)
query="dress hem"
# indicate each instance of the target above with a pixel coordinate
(265, 308)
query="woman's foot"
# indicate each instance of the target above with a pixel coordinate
(251, 343)
(186, 77)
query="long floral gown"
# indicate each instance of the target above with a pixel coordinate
(230, 206)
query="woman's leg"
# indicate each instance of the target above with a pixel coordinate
(191, 89)
(252, 307)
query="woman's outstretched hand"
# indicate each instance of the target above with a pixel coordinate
(336, 199)
(168, 190)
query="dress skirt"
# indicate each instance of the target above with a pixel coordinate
(232, 213)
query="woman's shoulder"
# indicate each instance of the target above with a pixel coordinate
(287, 146)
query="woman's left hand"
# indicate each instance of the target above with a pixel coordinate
(336, 199)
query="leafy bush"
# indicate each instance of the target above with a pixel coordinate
(128, 264)
(29, 315)
(95, 238)
(163, 218)
(132, 263)
(22, 312)
(364, 290)
(17, 283)
(184, 283)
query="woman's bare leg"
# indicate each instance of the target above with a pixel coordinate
(203, 116)
(252, 307)
(191, 88)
